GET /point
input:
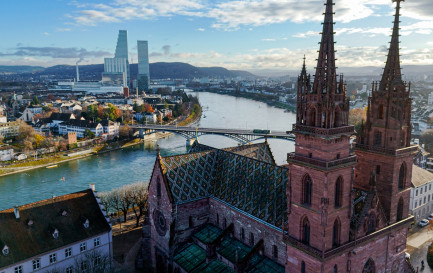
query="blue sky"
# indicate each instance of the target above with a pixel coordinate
(250, 35)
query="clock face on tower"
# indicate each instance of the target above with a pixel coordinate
(160, 222)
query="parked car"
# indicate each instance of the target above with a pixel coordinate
(423, 223)
(430, 217)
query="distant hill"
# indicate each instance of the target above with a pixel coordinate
(20, 69)
(159, 70)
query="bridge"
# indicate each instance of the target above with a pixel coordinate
(241, 136)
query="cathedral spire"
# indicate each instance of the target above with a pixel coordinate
(325, 77)
(392, 71)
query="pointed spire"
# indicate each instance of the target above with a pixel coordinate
(158, 152)
(392, 69)
(325, 77)
(304, 68)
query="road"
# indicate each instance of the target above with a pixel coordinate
(417, 244)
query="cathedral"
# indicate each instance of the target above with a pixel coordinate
(336, 206)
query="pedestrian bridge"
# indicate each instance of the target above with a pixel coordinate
(241, 136)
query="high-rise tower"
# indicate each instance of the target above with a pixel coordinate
(320, 183)
(383, 145)
(143, 77)
(122, 51)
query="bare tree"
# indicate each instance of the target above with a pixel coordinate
(125, 200)
(139, 195)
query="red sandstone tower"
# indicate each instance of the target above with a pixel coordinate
(383, 146)
(321, 167)
(338, 222)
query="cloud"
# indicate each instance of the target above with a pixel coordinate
(122, 10)
(45, 34)
(201, 29)
(56, 52)
(422, 27)
(226, 15)
(59, 29)
(269, 40)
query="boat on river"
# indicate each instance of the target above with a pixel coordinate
(52, 166)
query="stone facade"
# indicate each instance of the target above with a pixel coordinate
(329, 210)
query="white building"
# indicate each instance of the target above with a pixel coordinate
(111, 128)
(9, 129)
(421, 195)
(68, 233)
(430, 98)
(79, 127)
(6, 153)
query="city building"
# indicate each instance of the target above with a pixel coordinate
(421, 194)
(69, 233)
(9, 129)
(111, 128)
(122, 52)
(328, 210)
(80, 127)
(6, 153)
(143, 77)
(430, 98)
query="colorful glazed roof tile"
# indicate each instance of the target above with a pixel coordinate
(259, 151)
(359, 198)
(253, 186)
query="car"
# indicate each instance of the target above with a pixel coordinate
(423, 223)
(430, 217)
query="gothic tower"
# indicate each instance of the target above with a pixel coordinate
(383, 145)
(320, 183)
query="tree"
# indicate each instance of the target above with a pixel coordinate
(125, 200)
(139, 196)
(125, 131)
(148, 108)
(35, 101)
(356, 117)
(89, 134)
(427, 139)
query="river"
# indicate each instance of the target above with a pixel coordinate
(133, 164)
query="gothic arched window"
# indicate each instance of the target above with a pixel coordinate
(336, 230)
(371, 226)
(369, 267)
(381, 110)
(335, 269)
(402, 176)
(305, 231)
(303, 270)
(400, 209)
(307, 189)
(338, 192)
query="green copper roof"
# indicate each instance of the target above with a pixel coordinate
(190, 257)
(232, 249)
(215, 266)
(208, 234)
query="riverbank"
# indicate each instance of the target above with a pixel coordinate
(98, 149)
(269, 100)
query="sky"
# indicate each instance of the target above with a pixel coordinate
(248, 35)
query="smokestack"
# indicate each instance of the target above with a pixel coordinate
(78, 74)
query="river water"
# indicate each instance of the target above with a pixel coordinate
(133, 164)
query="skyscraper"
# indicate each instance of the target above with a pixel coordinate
(143, 77)
(116, 70)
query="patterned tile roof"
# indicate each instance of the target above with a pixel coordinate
(255, 187)
(359, 198)
(259, 151)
